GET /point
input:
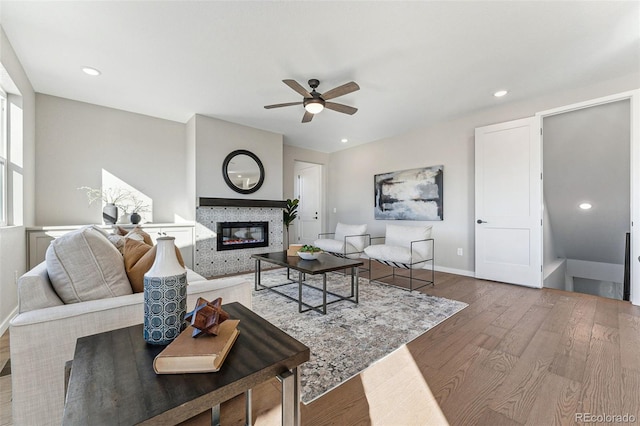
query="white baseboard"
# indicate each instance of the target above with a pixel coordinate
(4, 326)
(454, 271)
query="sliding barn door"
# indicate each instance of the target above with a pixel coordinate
(509, 203)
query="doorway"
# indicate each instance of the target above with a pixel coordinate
(308, 189)
(587, 177)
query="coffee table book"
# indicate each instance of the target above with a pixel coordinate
(204, 354)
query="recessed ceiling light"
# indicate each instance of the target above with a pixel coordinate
(500, 93)
(91, 71)
(344, 140)
(585, 206)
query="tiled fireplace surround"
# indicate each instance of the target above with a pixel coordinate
(211, 262)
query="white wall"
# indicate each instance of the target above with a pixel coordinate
(215, 139)
(451, 143)
(12, 238)
(76, 141)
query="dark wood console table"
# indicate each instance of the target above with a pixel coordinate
(112, 379)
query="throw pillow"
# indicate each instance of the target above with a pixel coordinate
(135, 233)
(343, 230)
(117, 241)
(138, 259)
(403, 235)
(83, 265)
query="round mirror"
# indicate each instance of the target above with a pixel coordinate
(243, 171)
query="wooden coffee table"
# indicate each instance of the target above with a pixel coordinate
(112, 379)
(325, 263)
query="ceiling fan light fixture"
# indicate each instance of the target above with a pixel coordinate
(314, 106)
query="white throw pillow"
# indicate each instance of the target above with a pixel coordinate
(344, 230)
(84, 265)
(403, 235)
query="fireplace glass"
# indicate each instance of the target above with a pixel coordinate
(241, 235)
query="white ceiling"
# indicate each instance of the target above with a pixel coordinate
(416, 62)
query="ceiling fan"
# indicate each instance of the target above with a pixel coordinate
(315, 102)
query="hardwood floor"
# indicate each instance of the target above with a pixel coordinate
(514, 356)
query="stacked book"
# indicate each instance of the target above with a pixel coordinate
(203, 354)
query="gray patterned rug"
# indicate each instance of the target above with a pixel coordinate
(350, 337)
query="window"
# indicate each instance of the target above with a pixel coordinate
(3, 158)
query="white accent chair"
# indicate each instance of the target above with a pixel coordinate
(405, 247)
(348, 241)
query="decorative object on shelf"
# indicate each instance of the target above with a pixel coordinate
(110, 214)
(308, 252)
(206, 317)
(290, 213)
(165, 295)
(122, 199)
(135, 218)
(414, 194)
(243, 171)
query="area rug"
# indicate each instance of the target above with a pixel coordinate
(350, 337)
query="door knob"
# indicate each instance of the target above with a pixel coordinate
(481, 221)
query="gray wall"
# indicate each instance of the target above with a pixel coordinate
(75, 141)
(586, 159)
(350, 188)
(215, 139)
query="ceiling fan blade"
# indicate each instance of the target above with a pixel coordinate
(282, 105)
(307, 117)
(345, 109)
(340, 90)
(298, 88)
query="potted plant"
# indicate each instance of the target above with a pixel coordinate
(289, 214)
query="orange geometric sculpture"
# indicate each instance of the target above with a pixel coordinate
(207, 317)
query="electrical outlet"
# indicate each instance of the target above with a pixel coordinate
(459, 252)
(335, 210)
(15, 277)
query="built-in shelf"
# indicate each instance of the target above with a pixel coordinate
(239, 202)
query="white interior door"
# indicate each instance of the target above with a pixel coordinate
(508, 203)
(309, 192)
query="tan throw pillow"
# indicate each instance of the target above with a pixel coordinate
(132, 233)
(83, 265)
(138, 259)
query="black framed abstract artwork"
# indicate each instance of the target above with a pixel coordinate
(414, 194)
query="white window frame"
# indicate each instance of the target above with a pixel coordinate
(4, 149)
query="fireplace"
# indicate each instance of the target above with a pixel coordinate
(242, 235)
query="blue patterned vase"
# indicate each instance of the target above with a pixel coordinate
(165, 295)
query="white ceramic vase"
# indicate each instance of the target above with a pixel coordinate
(165, 295)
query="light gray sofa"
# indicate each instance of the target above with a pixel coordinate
(44, 333)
